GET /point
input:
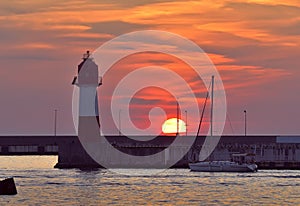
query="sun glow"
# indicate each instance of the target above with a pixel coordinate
(170, 126)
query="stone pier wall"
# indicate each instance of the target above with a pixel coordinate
(271, 156)
(271, 152)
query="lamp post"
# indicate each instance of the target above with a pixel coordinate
(186, 124)
(55, 121)
(120, 122)
(245, 112)
(177, 119)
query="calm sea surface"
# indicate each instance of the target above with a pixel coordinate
(39, 184)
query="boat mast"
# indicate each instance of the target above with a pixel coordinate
(202, 114)
(212, 105)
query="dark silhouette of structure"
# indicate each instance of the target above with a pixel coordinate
(271, 152)
(274, 152)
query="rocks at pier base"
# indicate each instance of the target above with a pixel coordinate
(8, 187)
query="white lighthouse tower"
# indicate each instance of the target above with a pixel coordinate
(88, 81)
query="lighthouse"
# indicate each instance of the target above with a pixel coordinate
(88, 81)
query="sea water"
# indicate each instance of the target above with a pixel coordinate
(39, 184)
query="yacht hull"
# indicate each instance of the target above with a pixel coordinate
(222, 166)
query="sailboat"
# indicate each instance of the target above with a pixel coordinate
(238, 163)
(224, 166)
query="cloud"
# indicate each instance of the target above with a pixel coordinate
(116, 27)
(254, 45)
(259, 11)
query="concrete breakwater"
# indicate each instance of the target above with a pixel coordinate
(271, 152)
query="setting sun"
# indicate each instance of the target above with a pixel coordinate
(170, 126)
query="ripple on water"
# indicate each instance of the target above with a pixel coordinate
(74, 187)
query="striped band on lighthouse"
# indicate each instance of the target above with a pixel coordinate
(88, 102)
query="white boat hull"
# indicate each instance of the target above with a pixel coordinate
(222, 166)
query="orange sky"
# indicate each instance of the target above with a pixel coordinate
(255, 45)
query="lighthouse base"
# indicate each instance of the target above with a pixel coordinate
(71, 154)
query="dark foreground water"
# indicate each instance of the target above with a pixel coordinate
(39, 184)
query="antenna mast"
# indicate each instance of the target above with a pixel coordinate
(177, 119)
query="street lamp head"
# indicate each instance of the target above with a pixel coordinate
(245, 111)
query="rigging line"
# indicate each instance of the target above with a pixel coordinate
(230, 123)
(202, 114)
